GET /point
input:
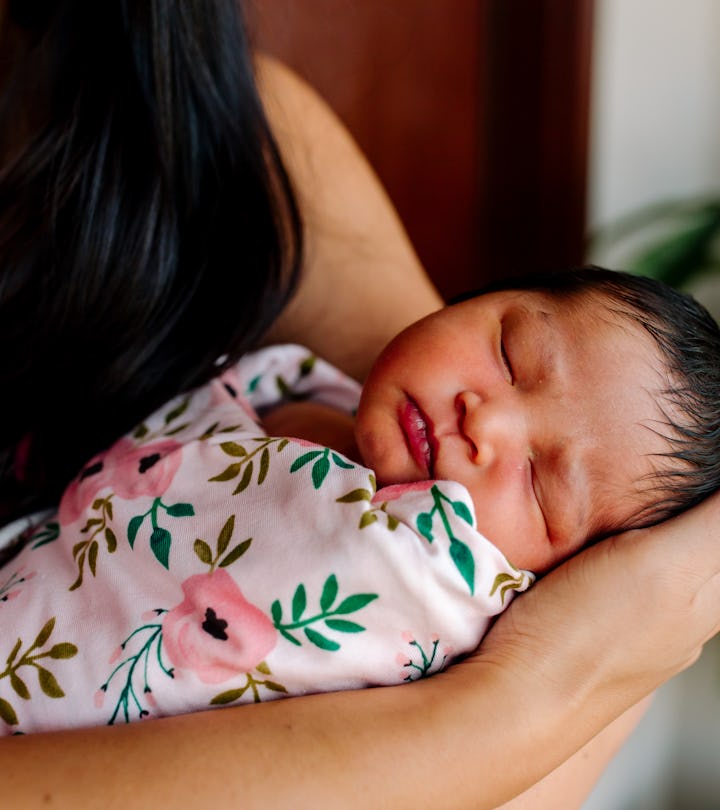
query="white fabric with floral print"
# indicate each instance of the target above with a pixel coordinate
(199, 563)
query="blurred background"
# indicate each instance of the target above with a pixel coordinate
(522, 135)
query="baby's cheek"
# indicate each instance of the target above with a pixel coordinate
(383, 449)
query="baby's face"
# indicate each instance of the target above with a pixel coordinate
(545, 410)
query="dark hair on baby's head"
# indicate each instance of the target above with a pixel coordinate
(689, 342)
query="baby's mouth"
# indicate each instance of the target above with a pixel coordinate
(418, 435)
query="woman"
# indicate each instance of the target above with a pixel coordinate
(584, 646)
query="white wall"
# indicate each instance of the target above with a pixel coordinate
(656, 103)
(656, 136)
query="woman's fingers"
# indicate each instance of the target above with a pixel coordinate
(622, 617)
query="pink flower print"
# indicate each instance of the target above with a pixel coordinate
(394, 491)
(230, 386)
(129, 469)
(145, 470)
(215, 631)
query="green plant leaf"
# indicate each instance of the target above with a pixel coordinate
(344, 626)
(246, 478)
(354, 496)
(366, 519)
(356, 602)
(227, 697)
(233, 449)
(13, 653)
(341, 462)
(307, 365)
(299, 602)
(19, 686)
(424, 525)
(44, 634)
(49, 684)
(160, 541)
(63, 650)
(274, 687)
(203, 551)
(236, 553)
(264, 465)
(319, 471)
(302, 460)
(181, 510)
(133, 528)
(462, 511)
(464, 562)
(320, 640)
(177, 411)
(329, 592)
(110, 540)
(226, 534)
(228, 473)
(8, 713)
(92, 556)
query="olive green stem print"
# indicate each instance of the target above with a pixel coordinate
(46, 679)
(459, 552)
(251, 683)
(160, 538)
(286, 389)
(326, 614)
(204, 552)
(246, 459)
(136, 669)
(144, 434)
(321, 465)
(507, 582)
(87, 550)
(369, 516)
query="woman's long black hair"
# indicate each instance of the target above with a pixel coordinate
(147, 225)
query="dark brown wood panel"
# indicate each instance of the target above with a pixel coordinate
(473, 113)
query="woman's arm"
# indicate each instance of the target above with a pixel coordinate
(362, 282)
(589, 641)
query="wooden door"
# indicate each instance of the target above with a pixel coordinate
(473, 113)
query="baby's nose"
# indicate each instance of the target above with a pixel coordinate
(492, 428)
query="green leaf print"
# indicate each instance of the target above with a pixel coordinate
(329, 593)
(160, 541)
(205, 554)
(460, 553)
(30, 658)
(245, 467)
(321, 467)
(319, 640)
(7, 713)
(301, 461)
(160, 537)
(253, 684)
(326, 615)
(462, 511)
(87, 550)
(464, 562)
(319, 472)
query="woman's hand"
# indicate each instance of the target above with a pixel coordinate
(615, 622)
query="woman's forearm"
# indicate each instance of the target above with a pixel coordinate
(431, 744)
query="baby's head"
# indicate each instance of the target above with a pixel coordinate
(571, 406)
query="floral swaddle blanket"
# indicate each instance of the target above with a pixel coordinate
(200, 563)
